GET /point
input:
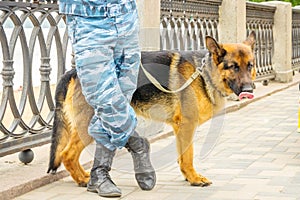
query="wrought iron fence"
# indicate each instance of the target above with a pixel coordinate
(296, 39)
(260, 18)
(33, 54)
(184, 24)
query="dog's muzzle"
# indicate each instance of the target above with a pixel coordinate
(247, 92)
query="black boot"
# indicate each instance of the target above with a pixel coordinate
(100, 181)
(144, 172)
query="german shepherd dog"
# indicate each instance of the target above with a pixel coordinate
(227, 69)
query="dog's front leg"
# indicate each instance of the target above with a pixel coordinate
(184, 140)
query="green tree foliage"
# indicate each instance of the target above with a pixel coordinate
(294, 2)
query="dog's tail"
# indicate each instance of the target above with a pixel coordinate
(60, 131)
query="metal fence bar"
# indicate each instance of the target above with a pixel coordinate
(29, 32)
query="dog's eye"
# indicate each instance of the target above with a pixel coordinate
(236, 68)
(226, 66)
(250, 66)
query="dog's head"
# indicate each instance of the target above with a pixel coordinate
(233, 66)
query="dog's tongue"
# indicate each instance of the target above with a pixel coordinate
(246, 95)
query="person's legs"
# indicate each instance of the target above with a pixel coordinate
(108, 88)
(114, 120)
(94, 41)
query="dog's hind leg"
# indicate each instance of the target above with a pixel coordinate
(70, 158)
(59, 140)
(184, 139)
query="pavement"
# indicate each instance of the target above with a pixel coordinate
(252, 152)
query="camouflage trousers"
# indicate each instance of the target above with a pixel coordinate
(107, 57)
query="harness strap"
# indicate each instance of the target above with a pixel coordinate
(155, 82)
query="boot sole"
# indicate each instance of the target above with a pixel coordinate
(110, 195)
(104, 195)
(94, 190)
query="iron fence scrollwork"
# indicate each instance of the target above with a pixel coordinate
(33, 48)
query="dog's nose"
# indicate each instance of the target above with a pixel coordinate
(247, 92)
(247, 88)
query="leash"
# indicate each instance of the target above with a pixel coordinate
(155, 82)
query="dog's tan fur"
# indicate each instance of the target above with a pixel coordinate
(228, 68)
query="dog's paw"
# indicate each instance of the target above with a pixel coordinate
(82, 181)
(200, 181)
(82, 184)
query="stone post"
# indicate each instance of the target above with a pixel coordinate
(149, 13)
(282, 38)
(232, 21)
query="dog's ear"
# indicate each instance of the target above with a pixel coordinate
(215, 48)
(250, 41)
